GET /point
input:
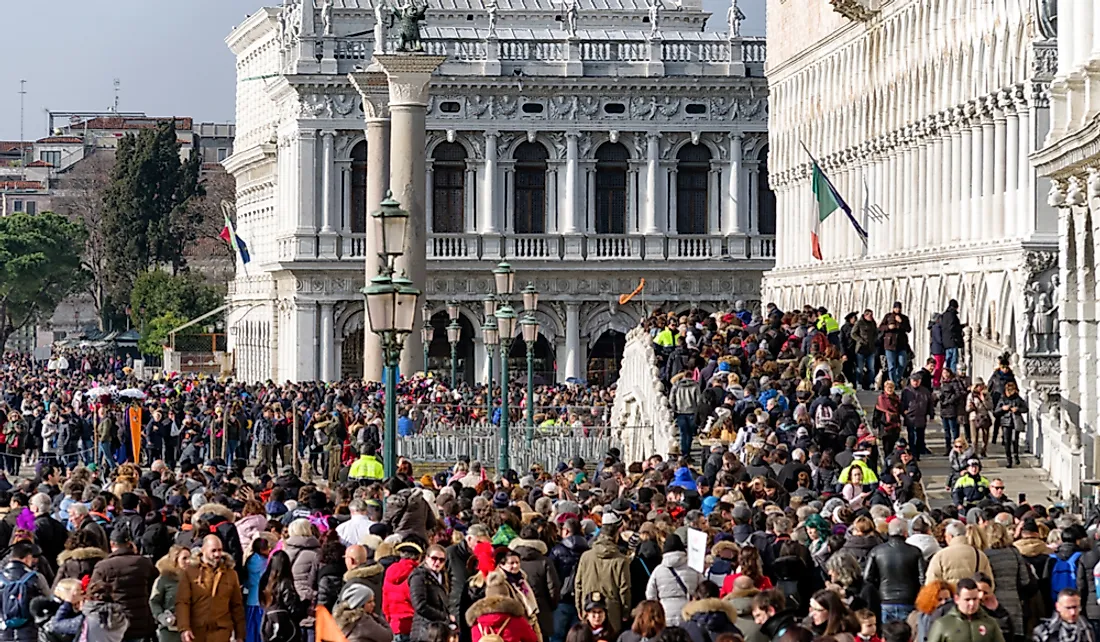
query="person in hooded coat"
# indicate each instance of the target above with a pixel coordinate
(304, 551)
(705, 620)
(428, 592)
(79, 557)
(605, 570)
(741, 600)
(541, 575)
(565, 556)
(368, 572)
(673, 582)
(396, 601)
(499, 614)
(162, 602)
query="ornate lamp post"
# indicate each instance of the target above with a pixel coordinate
(454, 334)
(491, 337)
(530, 328)
(504, 278)
(427, 333)
(506, 323)
(391, 310)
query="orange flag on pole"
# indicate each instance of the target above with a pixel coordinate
(135, 431)
(326, 628)
(625, 298)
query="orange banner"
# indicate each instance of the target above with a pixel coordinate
(135, 431)
(624, 298)
(327, 629)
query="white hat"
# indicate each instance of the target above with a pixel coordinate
(550, 489)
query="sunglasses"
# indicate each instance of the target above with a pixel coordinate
(436, 558)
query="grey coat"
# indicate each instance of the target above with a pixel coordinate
(305, 560)
(685, 397)
(672, 593)
(1011, 574)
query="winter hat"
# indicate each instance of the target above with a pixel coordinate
(500, 500)
(356, 595)
(673, 544)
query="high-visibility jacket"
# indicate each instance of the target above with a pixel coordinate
(665, 338)
(366, 467)
(827, 323)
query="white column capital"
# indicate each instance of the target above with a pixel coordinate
(409, 77)
(328, 135)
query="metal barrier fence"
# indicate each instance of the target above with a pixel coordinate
(441, 416)
(482, 443)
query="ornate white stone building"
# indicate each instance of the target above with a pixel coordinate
(1071, 156)
(589, 144)
(923, 113)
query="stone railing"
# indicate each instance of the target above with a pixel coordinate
(354, 246)
(640, 400)
(677, 49)
(599, 247)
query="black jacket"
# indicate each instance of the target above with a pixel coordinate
(458, 555)
(330, 581)
(429, 599)
(897, 569)
(50, 535)
(952, 328)
(1007, 418)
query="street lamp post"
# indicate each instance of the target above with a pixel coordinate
(491, 337)
(504, 280)
(530, 328)
(454, 333)
(391, 311)
(506, 323)
(427, 333)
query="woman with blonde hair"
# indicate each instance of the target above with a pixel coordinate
(979, 409)
(1011, 573)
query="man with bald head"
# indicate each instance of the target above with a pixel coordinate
(362, 569)
(209, 606)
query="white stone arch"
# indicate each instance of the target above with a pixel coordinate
(622, 320)
(466, 144)
(351, 320)
(550, 326)
(343, 153)
(521, 137)
(464, 311)
(599, 138)
(675, 150)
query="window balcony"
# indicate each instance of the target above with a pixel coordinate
(599, 248)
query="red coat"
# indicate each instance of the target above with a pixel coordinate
(502, 615)
(396, 603)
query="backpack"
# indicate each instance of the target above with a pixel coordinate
(15, 601)
(1063, 575)
(823, 415)
(489, 635)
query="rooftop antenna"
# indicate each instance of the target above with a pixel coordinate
(22, 148)
(118, 88)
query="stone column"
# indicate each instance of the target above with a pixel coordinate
(429, 195)
(409, 76)
(489, 225)
(934, 208)
(328, 343)
(654, 242)
(1000, 136)
(327, 239)
(573, 364)
(469, 204)
(966, 166)
(714, 198)
(1012, 157)
(976, 158)
(957, 203)
(989, 151)
(572, 219)
(1027, 197)
(372, 90)
(733, 219)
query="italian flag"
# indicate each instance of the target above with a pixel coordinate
(229, 235)
(828, 201)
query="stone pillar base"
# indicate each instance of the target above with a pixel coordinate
(655, 246)
(574, 246)
(492, 247)
(328, 55)
(737, 246)
(327, 244)
(655, 66)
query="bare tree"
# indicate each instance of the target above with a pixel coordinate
(80, 198)
(210, 255)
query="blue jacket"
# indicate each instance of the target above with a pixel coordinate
(254, 570)
(683, 479)
(405, 426)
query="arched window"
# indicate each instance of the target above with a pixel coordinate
(530, 189)
(693, 171)
(611, 165)
(359, 188)
(765, 197)
(448, 188)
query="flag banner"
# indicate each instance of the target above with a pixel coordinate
(229, 235)
(625, 298)
(326, 628)
(828, 201)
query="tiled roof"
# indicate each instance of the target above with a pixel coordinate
(39, 163)
(13, 146)
(119, 122)
(10, 185)
(61, 140)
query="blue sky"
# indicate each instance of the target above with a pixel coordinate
(170, 57)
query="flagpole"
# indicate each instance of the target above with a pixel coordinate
(861, 232)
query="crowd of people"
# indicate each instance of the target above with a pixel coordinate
(786, 510)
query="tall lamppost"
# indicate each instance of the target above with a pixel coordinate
(427, 333)
(454, 334)
(491, 337)
(530, 328)
(504, 278)
(391, 311)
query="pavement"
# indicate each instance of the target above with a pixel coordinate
(1027, 478)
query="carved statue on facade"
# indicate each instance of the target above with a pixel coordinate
(491, 11)
(1046, 15)
(734, 18)
(380, 12)
(408, 17)
(654, 18)
(1042, 315)
(572, 16)
(326, 16)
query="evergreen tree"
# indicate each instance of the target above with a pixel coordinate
(40, 265)
(149, 219)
